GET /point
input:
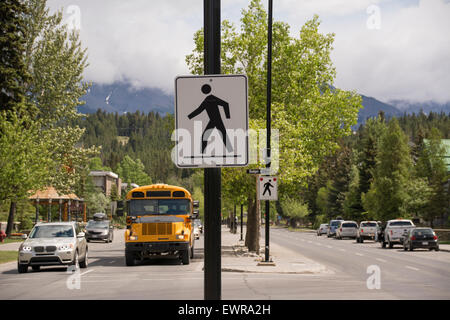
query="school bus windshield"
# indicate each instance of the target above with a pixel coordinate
(141, 207)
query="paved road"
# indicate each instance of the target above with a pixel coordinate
(420, 274)
(404, 275)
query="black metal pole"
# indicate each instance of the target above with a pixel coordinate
(212, 176)
(269, 101)
(242, 221)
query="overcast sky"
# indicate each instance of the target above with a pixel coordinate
(387, 49)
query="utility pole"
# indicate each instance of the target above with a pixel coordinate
(268, 118)
(212, 176)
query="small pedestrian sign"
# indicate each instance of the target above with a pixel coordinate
(211, 121)
(268, 188)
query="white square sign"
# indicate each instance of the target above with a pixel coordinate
(268, 188)
(211, 121)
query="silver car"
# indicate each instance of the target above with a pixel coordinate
(347, 229)
(56, 243)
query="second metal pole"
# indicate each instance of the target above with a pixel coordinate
(269, 101)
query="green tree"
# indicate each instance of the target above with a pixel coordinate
(132, 171)
(295, 209)
(56, 61)
(24, 160)
(431, 166)
(388, 191)
(13, 71)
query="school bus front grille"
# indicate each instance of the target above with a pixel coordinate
(157, 229)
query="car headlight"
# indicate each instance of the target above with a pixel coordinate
(25, 248)
(133, 238)
(180, 236)
(65, 247)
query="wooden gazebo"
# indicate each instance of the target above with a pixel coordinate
(69, 204)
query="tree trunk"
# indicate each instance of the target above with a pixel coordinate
(12, 212)
(253, 226)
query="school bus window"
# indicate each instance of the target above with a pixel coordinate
(143, 207)
(172, 206)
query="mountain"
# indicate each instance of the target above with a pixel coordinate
(121, 97)
(417, 107)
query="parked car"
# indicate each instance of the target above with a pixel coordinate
(198, 222)
(323, 229)
(99, 230)
(366, 230)
(347, 229)
(420, 238)
(332, 228)
(394, 231)
(196, 230)
(55, 243)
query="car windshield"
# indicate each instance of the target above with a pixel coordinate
(167, 206)
(349, 225)
(335, 223)
(401, 223)
(97, 225)
(368, 224)
(52, 231)
(421, 232)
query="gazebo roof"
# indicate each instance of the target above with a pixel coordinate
(51, 193)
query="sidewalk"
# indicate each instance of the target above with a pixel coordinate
(14, 246)
(236, 258)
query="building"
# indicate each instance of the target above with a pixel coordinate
(105, 180)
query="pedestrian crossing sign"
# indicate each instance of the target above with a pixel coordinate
(211, 121)
(268, 188)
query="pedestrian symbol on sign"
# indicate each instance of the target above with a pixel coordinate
(211, 104)
(268, 188)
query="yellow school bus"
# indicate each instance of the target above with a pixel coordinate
(159, 222)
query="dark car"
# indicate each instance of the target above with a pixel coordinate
(420, 238)
(99, 230)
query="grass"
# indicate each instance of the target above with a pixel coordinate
(9, 240)
(8, 256)
(444, 242)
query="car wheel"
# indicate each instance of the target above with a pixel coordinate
(185, 256)
(383, 244)
(192, 252)
(75, 260)
(36, 268)
(437, 248)
(85, 262)
(405, 248)
(361, 240)
(411, 247)
(390, 244)
(130, 259)
(22, 268)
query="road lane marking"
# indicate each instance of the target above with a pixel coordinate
(359, 254)
(381, 260)
(86, 272)
(412, 268)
